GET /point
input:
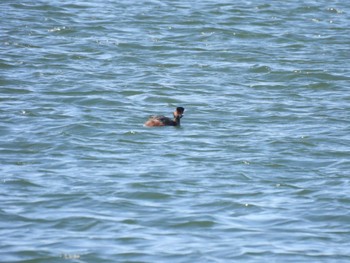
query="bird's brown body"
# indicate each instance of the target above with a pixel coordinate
(160, 120)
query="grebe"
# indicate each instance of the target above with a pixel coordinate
(160, 120)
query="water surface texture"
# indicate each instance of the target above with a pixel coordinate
(258, 171)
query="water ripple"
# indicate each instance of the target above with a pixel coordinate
(258, 170)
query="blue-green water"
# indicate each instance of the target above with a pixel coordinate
(258, 171)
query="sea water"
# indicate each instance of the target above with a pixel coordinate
(257, 172)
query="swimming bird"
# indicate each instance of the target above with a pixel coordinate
(160, 120)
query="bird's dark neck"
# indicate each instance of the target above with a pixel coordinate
(177, 121)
